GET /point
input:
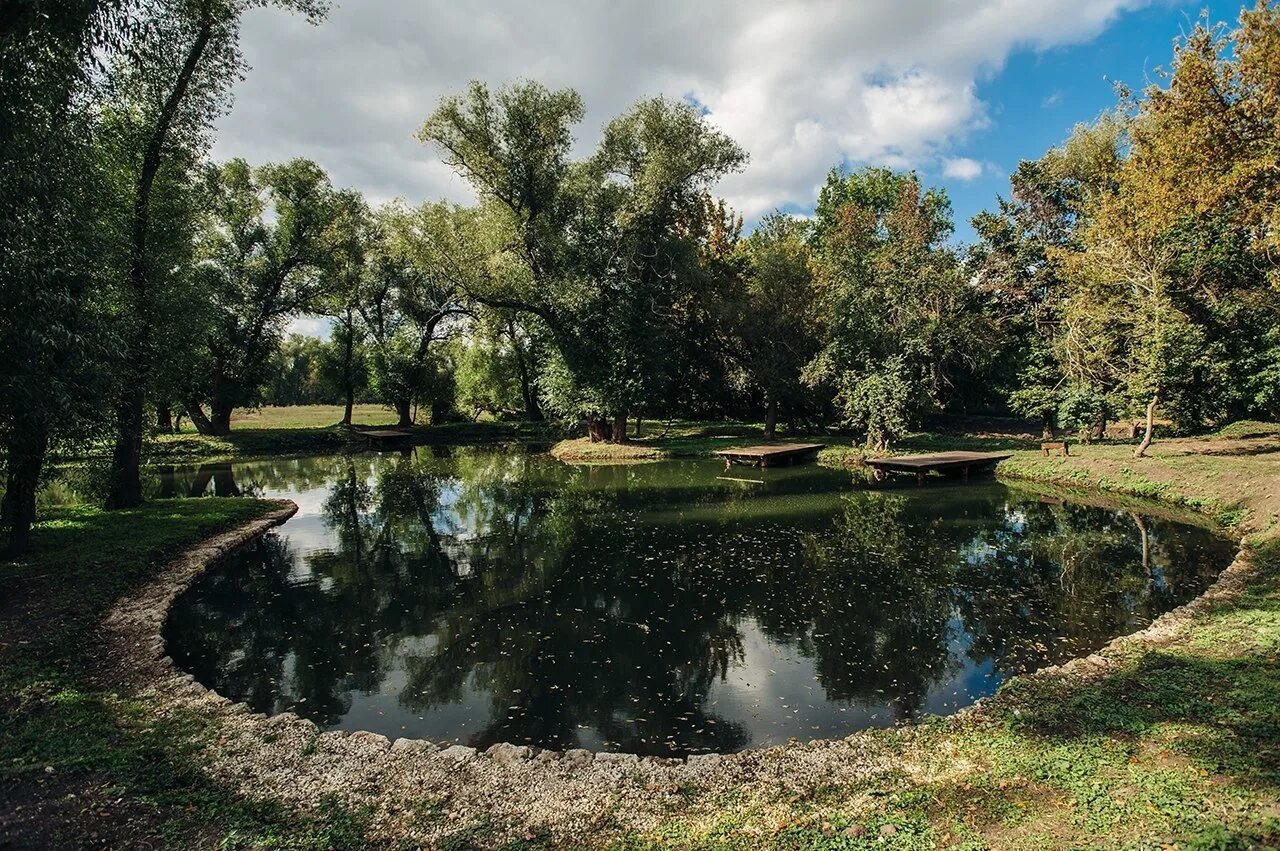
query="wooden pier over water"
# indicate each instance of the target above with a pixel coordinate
(947, 463)
(770, 454)
(384, 436)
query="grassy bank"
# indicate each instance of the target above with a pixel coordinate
(82, 765)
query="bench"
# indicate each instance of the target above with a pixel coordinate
(1056, 447)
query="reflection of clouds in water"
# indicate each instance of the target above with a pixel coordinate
(307, 533)
(774, 694)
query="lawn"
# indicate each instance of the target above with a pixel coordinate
(304, 416)
(306, 429)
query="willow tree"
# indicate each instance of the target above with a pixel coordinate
(267, 251)
(187, 59)
(592, 248)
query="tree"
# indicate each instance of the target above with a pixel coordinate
(1172, 298)
(353, 228)
(901, 321)
(775, 315)
(259, 271)
(187, 59)
(1016, 261)
(412, 293)
(590, 248)
(55, 220)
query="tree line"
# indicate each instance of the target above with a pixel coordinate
(1132, 271)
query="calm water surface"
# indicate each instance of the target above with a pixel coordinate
(487, 595)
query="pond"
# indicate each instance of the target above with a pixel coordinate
(483, 595)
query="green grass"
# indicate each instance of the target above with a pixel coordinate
(311, 429)
(62, 733)
(1249, 428)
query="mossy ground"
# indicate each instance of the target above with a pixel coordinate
(1177, 744)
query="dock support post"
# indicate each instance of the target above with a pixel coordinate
(920, 478)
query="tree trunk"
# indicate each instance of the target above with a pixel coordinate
(348, 355)
(639, 425)
(1141, 451)
(532, 409)
(26, 452)
(1100, 429)
(125, 482)
(620, 428)
(1046, 430)
(597, 430)
(164, 419)
(220, 416)
(771, 419)
(404, 412)
(199, 419)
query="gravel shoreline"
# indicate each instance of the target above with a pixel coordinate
(422, 791)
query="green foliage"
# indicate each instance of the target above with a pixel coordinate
(594, 249)
(257, 271)
(1084, 410)
(901, 323)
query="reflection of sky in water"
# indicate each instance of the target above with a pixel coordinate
(488, 596)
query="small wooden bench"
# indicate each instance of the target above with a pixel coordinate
(1055, 447)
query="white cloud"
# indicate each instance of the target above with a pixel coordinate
(310, 326)
(802, 86)
(961, 168)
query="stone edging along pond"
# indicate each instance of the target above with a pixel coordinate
(285, 757)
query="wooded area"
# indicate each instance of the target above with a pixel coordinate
(1134, 270)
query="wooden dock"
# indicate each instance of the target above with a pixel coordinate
(384, 436)
(770, 454)
(953, 463)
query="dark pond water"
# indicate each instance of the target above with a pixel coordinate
(481, 596)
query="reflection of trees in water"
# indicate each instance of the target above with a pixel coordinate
(246, 628)
(570, 599)
(1053, 581)
(877, 603)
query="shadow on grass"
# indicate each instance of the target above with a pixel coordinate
(82, 766)
(1219, 689)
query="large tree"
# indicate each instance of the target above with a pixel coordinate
(270, 239)
(592, 248)
(901, 320)
(185, 61)
(1174, 300)
(55, 227)
(1015, 263)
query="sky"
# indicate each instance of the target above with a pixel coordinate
(958, 90)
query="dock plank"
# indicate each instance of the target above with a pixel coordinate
(768, 454)
(941, 462)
